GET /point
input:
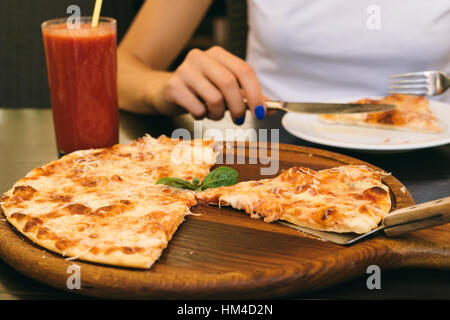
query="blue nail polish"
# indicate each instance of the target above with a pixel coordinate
(260, 112)
(240, 120)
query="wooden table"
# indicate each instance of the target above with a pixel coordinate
(27, 140)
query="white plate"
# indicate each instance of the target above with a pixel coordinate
(310, 128)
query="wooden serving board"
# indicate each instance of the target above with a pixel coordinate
(222, 253)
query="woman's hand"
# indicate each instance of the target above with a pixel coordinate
(206, 83)
(209, 82)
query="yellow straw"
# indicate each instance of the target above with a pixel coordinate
(96, 14)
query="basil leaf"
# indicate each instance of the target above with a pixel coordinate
(222, 176)
(176, 183)
(195, 182)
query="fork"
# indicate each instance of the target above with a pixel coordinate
(430, 83)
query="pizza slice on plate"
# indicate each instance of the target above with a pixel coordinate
(412, 113)
(102, 205)
(349, 198)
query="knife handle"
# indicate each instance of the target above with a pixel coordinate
(272, 104)
(416, 217)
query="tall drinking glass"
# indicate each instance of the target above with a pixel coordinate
(82, 76)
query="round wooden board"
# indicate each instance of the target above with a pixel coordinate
(222, 253)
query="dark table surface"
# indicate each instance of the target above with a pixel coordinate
(27, 140)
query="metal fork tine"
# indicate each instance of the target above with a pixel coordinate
(410, 86)
(428, 83)
(409, 75)
(415, 93)
(410, 81)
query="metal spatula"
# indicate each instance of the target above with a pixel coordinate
(416, 217)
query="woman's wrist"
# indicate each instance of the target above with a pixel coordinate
(141, 89)
(155, 93)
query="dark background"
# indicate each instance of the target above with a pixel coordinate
(23, 76)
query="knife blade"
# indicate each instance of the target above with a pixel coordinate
(323, 108)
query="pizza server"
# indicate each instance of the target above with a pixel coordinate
(397, 222)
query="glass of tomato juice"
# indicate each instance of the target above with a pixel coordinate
(82, 76)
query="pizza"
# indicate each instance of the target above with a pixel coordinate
(412, 113)
(107, 206)
(102, 205)
(348, 198)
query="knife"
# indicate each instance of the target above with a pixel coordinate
(319, 108)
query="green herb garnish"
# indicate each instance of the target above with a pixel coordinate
(220, 177)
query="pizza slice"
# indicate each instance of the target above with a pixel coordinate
(102, 205)
(412, 113)
(349, 198)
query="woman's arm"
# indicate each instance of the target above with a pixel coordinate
(203, 84)
(157, 35)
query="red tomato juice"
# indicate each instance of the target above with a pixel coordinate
(82, 74)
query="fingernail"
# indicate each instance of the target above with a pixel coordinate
(260, 112)
(240, 120)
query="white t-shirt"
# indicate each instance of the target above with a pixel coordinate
(314, 50)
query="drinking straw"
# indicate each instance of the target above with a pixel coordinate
(96, 14)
